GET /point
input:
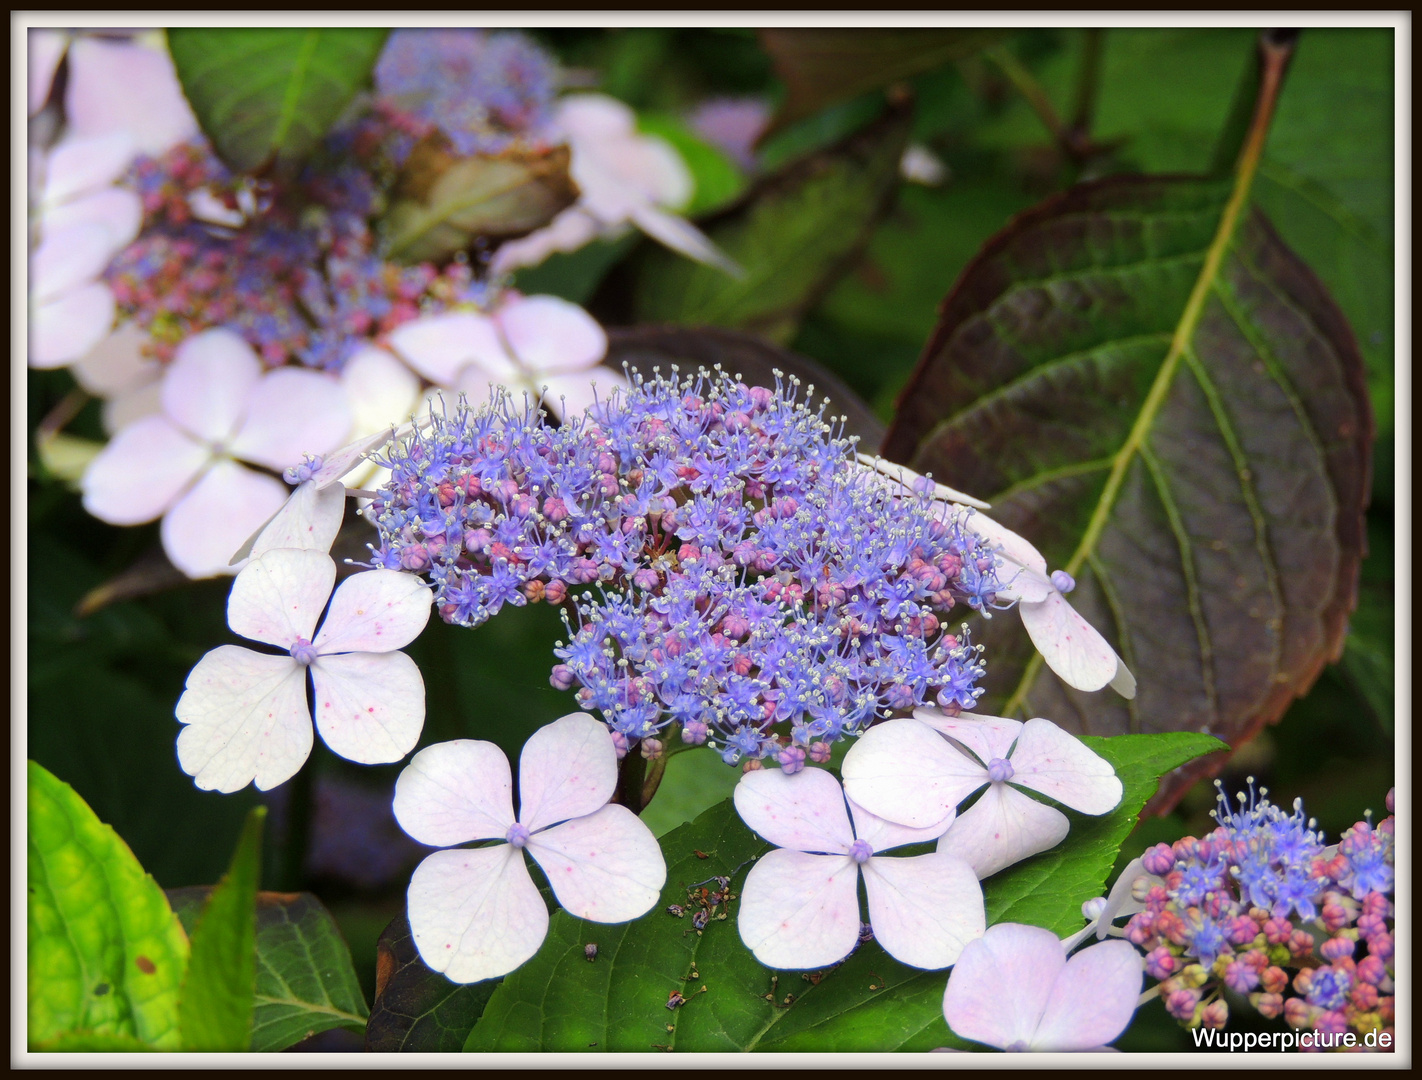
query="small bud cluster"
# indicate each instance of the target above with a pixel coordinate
(485, 92)
(733, 572)
(1261, 896)
(292, 267)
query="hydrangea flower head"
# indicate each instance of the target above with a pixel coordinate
(475, 912)
(800, 903)
(245, 713)
(1014, 988)
(733, 571)
(907, 771)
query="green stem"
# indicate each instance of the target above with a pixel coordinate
(1030, 89)
(1087, 85)
(630, 777)
(1274, 55)
(297, 834)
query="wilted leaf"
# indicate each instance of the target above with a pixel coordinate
(793, 234)
(269, 93)
(215, 1007)
(1147, 383)
(823, 65)
(445, 202)
(751, 357)
(106, 953)
(417, 1009)
(305, 980)
(561, 1001)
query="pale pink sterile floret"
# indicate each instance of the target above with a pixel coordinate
(625, 178)
(383, 393)
(528, 344)
(1015, 989)
(218, 408)
(898, 771)
(245, 713)
(44, 50)
(799, 906)
(127, 86)
(475, 913)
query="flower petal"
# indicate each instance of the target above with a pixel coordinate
(46, 49)
(1060, 766)
(67, 327)
(570, 230)
(906, 772)
(376, 611)
(548, 333)
(1025, 572)
(1070, 645)
(223, 508)
(1001, 828)
(684, 238)
(129, 406)
(79, 164)
(475, 913)
(382, 391)
(246, 718)
(882, 835)
(986, 736)
(370, 707)
(1000, 985)
(118, 210)
(439, 347)
(798, 910)
(117, 363)
(290, 413)
(308, 520)
(209, 382)
(117, 86)
(142, 472)
(454, 792)
(906, 477)
(924, 909)
(277, 599)
(68, 259)
(1093, 998)
(568, 769)
(606, 867)
(803, 812)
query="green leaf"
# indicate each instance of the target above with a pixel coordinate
(92, 1042)
(264, 94)
(821, 66)
(446, 202)
(215, 1009)
(417, 1009)
(106, 954)
(561, 1001)
(695, 780)
(1144, 380)
(306, 982)
(793, 234)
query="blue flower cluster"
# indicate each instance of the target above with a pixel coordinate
(744, 580)
(1262, 894)
(485, 92)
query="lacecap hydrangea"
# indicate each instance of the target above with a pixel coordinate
(730, 573)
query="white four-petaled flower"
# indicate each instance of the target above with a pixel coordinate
(218, 408)
(800, 903)
(1015, 989)
(474, 912)
(905, 770)
(246, 713)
